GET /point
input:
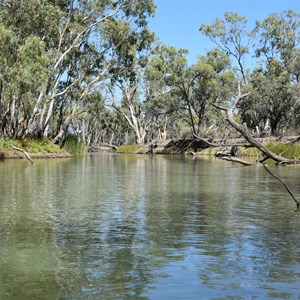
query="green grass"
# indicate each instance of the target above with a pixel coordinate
(34, 145)
(31, 145)
(8, 143)
(131, 149)
(289, 151)
(75, 147)
(286, 150)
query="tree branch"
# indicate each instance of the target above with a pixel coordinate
(25, 153)
(249, 138)
(235, 159)
(76, 41)
(285, 185)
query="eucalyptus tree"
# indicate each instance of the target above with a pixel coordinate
(164, 69)
(130, 49)
(76, 57)
(7, 60)
(100, 54)
(274, 85)
(231, 36)
(269, 107)
(189, 90)
(24, 70)
(272, 104)
(32, 24)
(204, 83)
(176, 90)
(98, 124)
(278, 38)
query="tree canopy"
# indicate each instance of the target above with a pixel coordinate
(94, 69)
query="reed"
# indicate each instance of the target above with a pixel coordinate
(74, 146)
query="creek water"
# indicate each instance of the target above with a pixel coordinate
(111, 226)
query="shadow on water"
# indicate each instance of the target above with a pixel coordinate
(113, 226)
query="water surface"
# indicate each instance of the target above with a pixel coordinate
(113, 226)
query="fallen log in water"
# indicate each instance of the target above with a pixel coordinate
(237, 160)
(24, 152)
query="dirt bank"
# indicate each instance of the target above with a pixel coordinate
(13, 154)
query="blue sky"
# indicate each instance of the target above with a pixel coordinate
(177, 22)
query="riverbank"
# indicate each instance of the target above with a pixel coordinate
(35, 148)
(41, 155)
(285, 146)
(288, 147)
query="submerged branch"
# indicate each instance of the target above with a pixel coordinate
(237, 160)
(243, 130)
(24, 152)
(285, 185)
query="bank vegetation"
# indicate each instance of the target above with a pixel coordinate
(94, 72)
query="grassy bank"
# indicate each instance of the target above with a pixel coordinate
(44, 148)
(287, 150)
(188, 146)
(37, 148)
(132, 149)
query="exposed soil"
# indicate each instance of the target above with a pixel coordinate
(5, 154)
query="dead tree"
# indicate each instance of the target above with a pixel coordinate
(243, 130)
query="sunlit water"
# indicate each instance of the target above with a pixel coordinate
(113, 226)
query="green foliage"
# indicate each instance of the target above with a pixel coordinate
(277, 35)
(231, 36)
(34, 17)
(192, 88)
(271, 99)
(33, 63)
(31, 145)
(74, 146)
(8, 143)
(61, 61)
(53, 54)
(8, 42)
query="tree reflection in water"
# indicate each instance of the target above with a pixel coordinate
(122, 226)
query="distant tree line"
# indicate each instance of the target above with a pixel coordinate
(93, 69)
